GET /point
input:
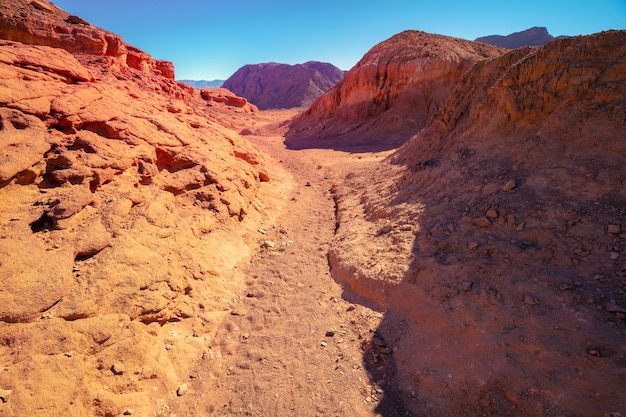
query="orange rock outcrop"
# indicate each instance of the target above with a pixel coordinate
(40, 22)
(125, 199)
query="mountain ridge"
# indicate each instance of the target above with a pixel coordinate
(274, 85)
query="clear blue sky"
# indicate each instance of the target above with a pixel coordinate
(209, 39)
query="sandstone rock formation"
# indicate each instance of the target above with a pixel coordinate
(40, 22)
(276, 86)
(125, 200)
(535, 36)
(390, 94)
(503, 224)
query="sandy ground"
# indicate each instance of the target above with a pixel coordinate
(291, 345)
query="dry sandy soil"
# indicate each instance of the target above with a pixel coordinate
(292, 346)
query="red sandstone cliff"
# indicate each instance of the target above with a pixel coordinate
(282, 86)
(39, 22)
(505, 224)
(390, 94)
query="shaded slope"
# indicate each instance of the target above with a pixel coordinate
(390, 94)
(282, 86)
(125, 203)
(503, 228)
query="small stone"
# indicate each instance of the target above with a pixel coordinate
(614, 308)
(262, 231)
(268, 244)
(128, 412)
(118, 368)
(492, 214)
(379, 342)
(238, 312)
(467, 285)
(351, 308)
(472, 245)
(593, 351)
(519, 227)
(531, 300)
(5, 394)
(509, 186)
(323, 344)
(168, 347)
(614, 255)
(613, 229)
(330, 333)
(182, 390)
(482, 222)
(264, 176)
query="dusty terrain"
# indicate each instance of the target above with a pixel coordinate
(165, 251)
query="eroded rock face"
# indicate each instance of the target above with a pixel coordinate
(390, 94)
(503, 222)
(43, 23)
(282, 86)
(125, 198)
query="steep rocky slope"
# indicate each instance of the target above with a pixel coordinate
(495, 240)
(126, 200)
(535, 36)
(282, 86)
(390, 93)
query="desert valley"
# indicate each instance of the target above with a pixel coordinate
(439, 231)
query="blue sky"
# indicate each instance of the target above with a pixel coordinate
(209, 39)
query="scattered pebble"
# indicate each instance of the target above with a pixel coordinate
(182, 390)
(168, 347)
(268, 244)
(613, 229)
(593, 350)
(509, 186)
(5, 394)
(379, 342)
(262, 231)
(614, 308)
(324, 344)
(118, 368)
(531, 300)
(330, 333)
(482, 222)
(614, 255)
(128, 412)
(492, 214)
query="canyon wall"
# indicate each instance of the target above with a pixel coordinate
(497, 238)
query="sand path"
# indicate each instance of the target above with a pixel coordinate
(291, 345)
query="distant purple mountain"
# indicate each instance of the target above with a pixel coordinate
(536, 36)
(203, 83)
(282, 86)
